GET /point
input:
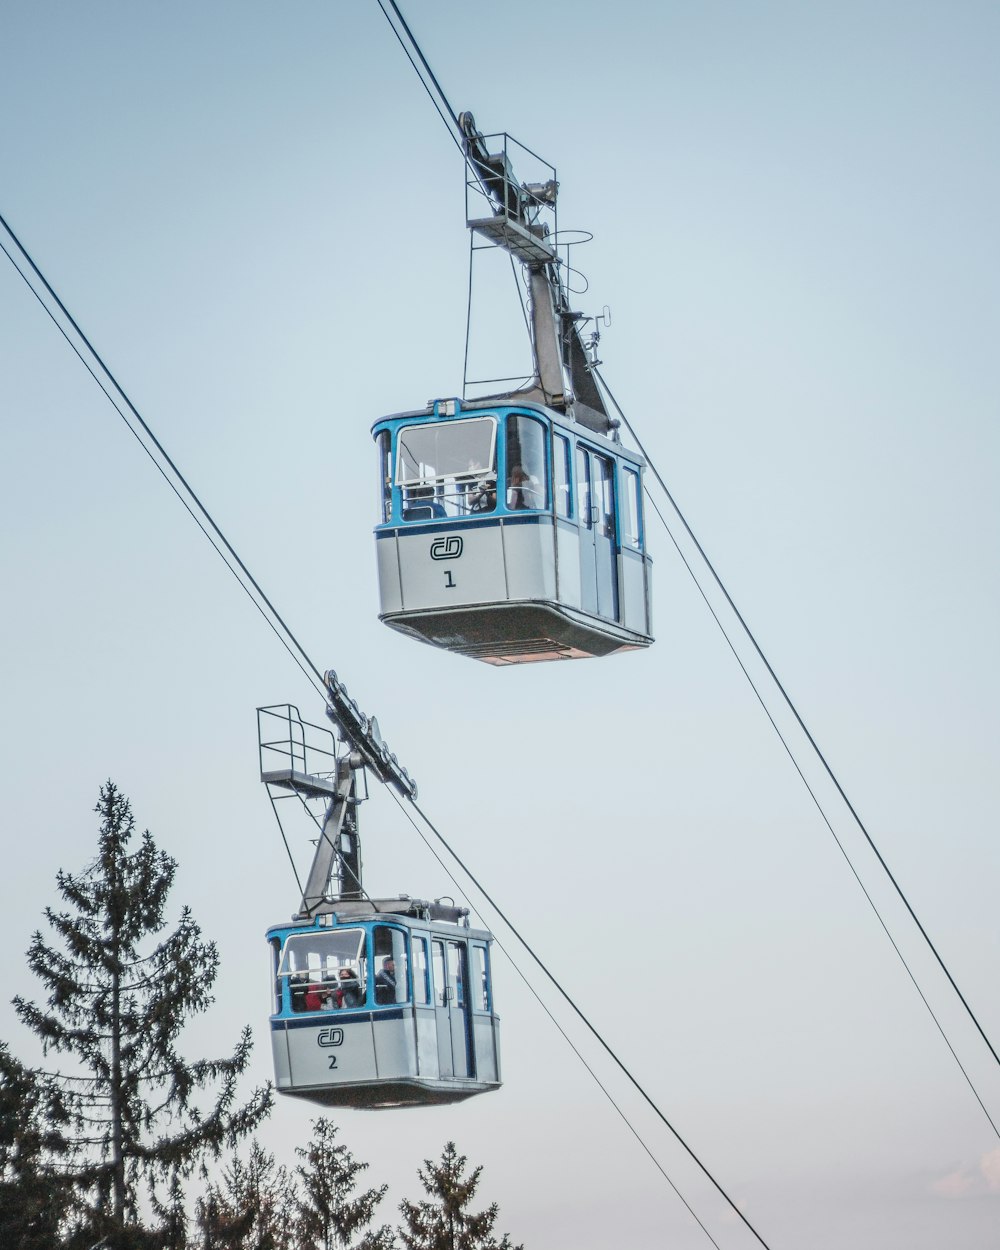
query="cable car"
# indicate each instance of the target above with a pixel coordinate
(511, 525)
(510, 533)
(376, 1003)
(383, 1004)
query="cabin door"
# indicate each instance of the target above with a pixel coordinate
(451, 1008)
(605, 537)
(595, 484)
(585, 516)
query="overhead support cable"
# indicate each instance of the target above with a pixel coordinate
(819, 807)
(579, 1012)
(805, 730)
(429, 82)
(552, 1019)
(199, 510)
(423, 61)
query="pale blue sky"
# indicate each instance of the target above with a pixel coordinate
(258, 218)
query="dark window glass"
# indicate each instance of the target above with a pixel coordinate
(631, 517)
(275, 960)
(391, 965)
(385, 473)
(440, 984)
(527, 479)
(421, 987)
(583, 512)
(480, 993)
(561, 475)
(456, 973)
(604, 496)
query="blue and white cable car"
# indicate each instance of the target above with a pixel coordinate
(375, 1002)
(381, 1004)
(510, 533)
(511, 526)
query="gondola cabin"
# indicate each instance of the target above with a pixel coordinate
(510, 533)
(383, 1004)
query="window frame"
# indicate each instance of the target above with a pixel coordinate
(420, 966)
(320, 972)
(567, 464)
(383, 442)
(470, 475)
(399, 944)
(631, 501)
(481, 977)
(511, 420)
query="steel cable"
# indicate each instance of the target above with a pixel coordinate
(801, 723)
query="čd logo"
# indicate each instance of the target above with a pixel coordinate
(449, 548)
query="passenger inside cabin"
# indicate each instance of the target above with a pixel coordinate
(483, 496)
(299, 983)
(522, 489)
(385, 981)
(318, 997)
(348, 991)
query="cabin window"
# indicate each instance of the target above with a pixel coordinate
(384, 444)
(440, 982)
(583, 512)
(325, 969)
(447, 469)
(391, 966)
(480, 992)
(421, 985)
(561, 475)
(456, 973)
(527, 479)
(275, 961)
(631, 530)
(604, 496)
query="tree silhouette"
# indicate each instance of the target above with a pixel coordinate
(116, 1003)
(446, 1223)
(330, 1212)
(253, 1209)
(34, 1197)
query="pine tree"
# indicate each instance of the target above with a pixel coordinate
(116, 1003)
(446, 1223)
(253, 1209)
(329, 1212)
(171, 1213)
(34, 1197)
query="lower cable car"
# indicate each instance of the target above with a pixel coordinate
(376, 1003)
(383, 1003)
(510, 533)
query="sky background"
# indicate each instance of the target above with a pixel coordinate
(258, 218)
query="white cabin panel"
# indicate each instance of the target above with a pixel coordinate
(568, 567)
(485, 1042)
(633, 592)
(390, 592)
(531, 560)
(332, 1052)
(451, 568)
(427, 1046)
(395, 1047)
(279, 1053)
